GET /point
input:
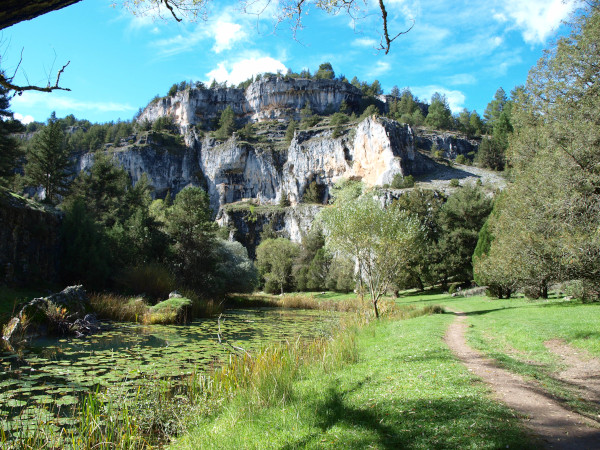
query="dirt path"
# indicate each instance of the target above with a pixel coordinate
(555, 426)
(582, 370)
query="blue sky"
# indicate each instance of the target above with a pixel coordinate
(465, 49)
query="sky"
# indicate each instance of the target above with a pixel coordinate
(465, 49)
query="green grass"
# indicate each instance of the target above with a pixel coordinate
(513, 332)
(405, 391)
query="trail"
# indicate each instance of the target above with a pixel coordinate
(555, 426)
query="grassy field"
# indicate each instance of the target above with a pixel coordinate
(513, 332)
(405, 391)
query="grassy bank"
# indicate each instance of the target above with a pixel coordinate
(405, 390)
(514, 333)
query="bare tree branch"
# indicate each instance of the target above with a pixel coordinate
(386, 36)
(170, 8)
(8, 84)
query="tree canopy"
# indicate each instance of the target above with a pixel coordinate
(546, 228)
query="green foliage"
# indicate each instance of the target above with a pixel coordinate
(274, 260)
(439, 115)
(377, 239)
(153, 279)
(371, 110)
(164, 123)
(490, 154)
(401, 182)
(247, 132)
(190, 225)
(226, 124)
(308, 118)
(325, 72)
(290, 131)
(460, 159)
(10, 150)
(454, 183)
(284, 200)
(346, 190)
(85, 257)
(314, 193)
(419, 268)
(338, 119)
(234, 271)
(48, 162)
(460, 220)
(546, 229)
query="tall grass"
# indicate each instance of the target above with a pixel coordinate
(136, 309)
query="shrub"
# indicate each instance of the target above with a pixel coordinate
(460, 159)
(454, 182)
(153, 279)
(400, 182)
(173, 310)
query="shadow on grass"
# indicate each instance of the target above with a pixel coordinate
(466, 422)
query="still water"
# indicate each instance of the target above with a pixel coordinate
(53, 373)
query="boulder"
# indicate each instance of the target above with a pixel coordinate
(62, 313)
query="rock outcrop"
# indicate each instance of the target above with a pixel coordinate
(269, 98)
(63, 313)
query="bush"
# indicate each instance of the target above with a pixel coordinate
(583, 290)
(400, 182)
(460, 159)
(152, 279)
(454, 182)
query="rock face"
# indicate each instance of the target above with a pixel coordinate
(29, 241)
(265, 168)
(62, 313)
(267, 99)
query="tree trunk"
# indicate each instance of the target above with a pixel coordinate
(15, 11)
(376, 309)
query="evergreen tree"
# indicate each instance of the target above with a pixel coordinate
(495, 107)
(190, 225)
(9, 146)
(48, 161)
(460, 220)
(439, 116)
(290, 131)
(325, 72)
(546, 229)
(226, 124)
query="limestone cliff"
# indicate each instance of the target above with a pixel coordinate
(267, 99)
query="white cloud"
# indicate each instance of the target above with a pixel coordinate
(224, 31)
(243, 69)
(461, 79)
(537, 19)
(226, 34)
(63, 103)
(456, 99)
(23, 119)
(364, 42)
(380, 68)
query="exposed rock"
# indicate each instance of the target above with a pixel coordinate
(267, 99)
(62, 313)
(29, 240)
(451, 144)
(175, 294)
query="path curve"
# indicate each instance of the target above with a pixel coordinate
(557, 427)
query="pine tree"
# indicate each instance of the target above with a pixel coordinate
(48, 161)
(9, 146)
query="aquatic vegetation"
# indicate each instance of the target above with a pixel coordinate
(131, 380)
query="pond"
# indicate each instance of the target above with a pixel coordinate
(52, 374)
